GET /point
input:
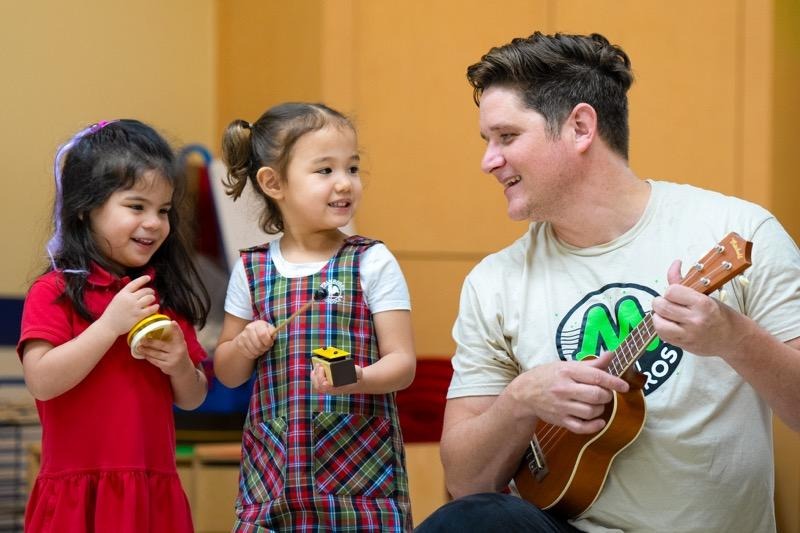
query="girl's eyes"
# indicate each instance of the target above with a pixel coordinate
(506, 138)
(140, 207)
(352, 170)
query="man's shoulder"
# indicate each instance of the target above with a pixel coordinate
(512, 258)
(707, 199)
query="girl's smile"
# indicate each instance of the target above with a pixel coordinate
(323, 185)
(133, 223)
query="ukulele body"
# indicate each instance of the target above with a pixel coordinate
(576, 471)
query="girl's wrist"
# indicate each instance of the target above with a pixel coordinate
(186, 370)
(104, 326)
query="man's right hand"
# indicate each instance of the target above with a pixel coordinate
(568, 394)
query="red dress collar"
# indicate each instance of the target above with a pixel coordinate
(101, 277)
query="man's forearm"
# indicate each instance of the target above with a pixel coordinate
(772, 368)
(481, 452)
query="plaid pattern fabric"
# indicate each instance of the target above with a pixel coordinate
(315, 462)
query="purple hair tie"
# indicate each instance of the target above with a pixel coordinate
(99, 126)
(54, 244)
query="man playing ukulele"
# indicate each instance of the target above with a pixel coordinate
(593, 264)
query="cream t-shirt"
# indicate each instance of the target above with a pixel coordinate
(703, 461)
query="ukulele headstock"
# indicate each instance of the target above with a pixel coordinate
(729, 258)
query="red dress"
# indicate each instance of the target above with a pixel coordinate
(108, 444)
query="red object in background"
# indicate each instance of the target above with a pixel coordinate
(421, 405)
(207, 237)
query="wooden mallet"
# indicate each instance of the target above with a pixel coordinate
(319, 295)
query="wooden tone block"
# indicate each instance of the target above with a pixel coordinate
(339, 367)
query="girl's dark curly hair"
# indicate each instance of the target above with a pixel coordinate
(99, 161)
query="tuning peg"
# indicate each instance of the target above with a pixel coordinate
(743, 280)
(723, 295)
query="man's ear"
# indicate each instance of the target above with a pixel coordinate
(582, 124)
(270, 182)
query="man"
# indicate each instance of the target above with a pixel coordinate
(553, 113)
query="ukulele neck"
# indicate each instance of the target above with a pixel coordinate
(633, 346)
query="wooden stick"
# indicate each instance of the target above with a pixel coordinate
(319, 295)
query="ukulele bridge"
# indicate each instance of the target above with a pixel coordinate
(537, 464)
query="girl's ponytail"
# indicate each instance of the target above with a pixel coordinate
(237, 155)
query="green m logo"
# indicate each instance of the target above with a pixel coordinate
(602, 320)
(602, 333)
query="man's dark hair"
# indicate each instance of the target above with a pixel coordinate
(554, 73)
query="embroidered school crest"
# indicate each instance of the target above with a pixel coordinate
(335, 290)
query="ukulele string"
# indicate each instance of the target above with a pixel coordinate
(554, 437)
(550, 437)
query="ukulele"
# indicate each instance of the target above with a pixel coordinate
(564, 472)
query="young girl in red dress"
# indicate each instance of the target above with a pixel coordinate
(108, 437)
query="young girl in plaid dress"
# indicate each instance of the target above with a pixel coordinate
(314, 457)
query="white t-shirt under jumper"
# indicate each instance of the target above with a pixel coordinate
(382, 281)
(704, 460)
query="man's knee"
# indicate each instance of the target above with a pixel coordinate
(486, 512)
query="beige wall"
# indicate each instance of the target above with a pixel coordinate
(785, 113)
(68, 64)
(785, 164)
(269, 52)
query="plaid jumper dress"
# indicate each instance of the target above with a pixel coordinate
(314, 462)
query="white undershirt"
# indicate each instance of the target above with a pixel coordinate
(382, 281)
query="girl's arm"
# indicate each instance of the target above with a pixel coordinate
(397, 365)
(50, 371)
(189, 388)
(240, 343)
(171, 356)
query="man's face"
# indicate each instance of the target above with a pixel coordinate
(531, 167)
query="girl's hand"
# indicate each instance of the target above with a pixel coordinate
(255, 339)
(131, 304)
(170, 355)
(320, 383)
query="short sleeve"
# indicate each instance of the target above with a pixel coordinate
(384, 285)
(46, 314)
(237, 299)
(483, 364)
(771, 294)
